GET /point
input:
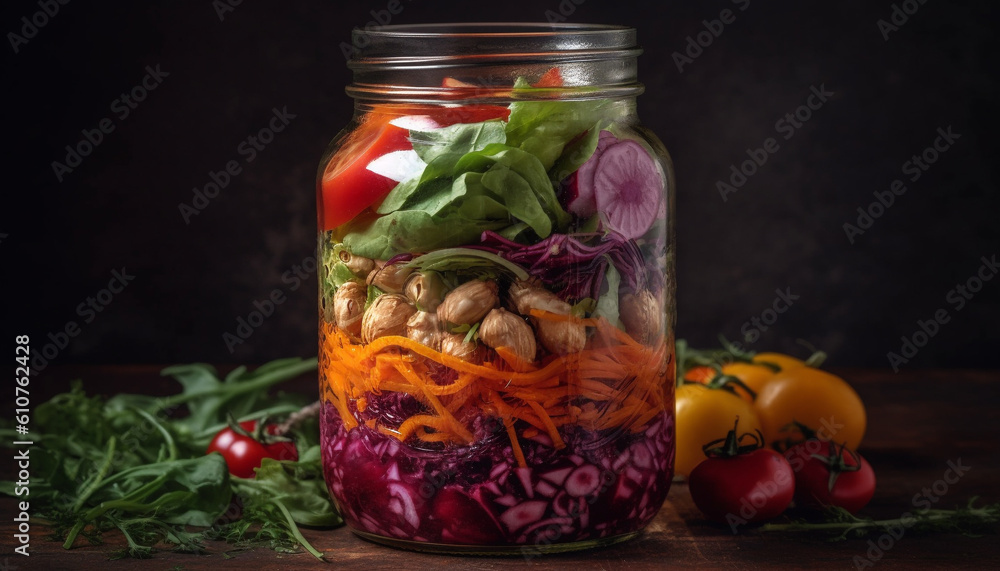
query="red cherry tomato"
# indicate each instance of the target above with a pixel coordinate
(830, 475)
(243, 453)
(741, 483)
(751, 487)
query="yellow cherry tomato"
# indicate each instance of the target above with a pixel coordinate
(752, 375)
(784, 362)
(704, 415)
(823, 402)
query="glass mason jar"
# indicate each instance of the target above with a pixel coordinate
(496, 292)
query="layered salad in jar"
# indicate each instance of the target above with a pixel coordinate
(496, 356)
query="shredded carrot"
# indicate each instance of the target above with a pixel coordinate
(515, 445)
(615, 382)
(515, 362)
(553, 431)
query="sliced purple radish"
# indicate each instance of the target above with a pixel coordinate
(628, 188)
(580, 198)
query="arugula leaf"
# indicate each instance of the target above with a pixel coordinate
(297, 485)
(208, 399)
(134, 464)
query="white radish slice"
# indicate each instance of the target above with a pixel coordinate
(415, 123)
(628, 187)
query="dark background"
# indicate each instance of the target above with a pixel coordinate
(781, 230)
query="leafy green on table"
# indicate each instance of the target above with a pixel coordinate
(136, 464)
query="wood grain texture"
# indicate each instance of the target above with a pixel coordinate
(918, 422)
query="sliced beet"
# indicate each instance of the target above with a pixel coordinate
(628, 188)
(580, 198)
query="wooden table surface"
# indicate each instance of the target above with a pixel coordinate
(919, 421)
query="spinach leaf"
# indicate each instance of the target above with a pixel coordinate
(436, 195)
(511, 175)
(544, 127)
(415, 231)
(457, 140)
(441, 149)
(577, 152)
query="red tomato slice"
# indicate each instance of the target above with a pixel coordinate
(468, 114)
(551, 78)
(348, 186)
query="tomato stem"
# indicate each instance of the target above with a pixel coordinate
(731, 443)
(835, 461)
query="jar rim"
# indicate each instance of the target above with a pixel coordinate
(494, 29)
(424, 61)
